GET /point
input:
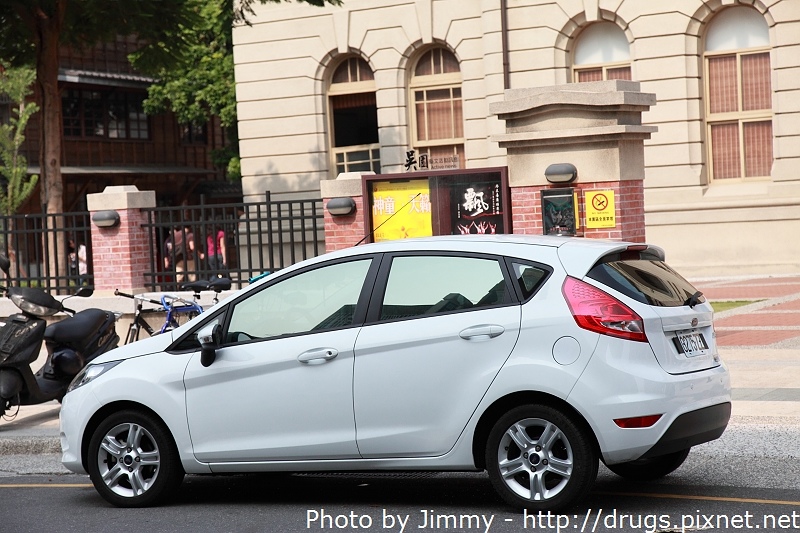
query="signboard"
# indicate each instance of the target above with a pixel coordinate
(559, 212)
(424, 161)
(400, 209)
(599, 207)
(477, 205)
(455, 202)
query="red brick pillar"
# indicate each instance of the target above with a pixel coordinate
(343, 231)
(527, 215)
(121, 252)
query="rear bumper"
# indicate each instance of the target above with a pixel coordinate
(691, 429)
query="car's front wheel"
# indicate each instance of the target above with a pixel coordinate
(538, 458)
(650, 468)
(133, 461)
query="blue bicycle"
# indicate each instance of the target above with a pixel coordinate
(176, 310)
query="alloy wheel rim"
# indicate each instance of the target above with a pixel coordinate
(535, 459)
(128, 460)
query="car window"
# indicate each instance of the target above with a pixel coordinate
(316, 300)
(644, 278)
(424, 285)
(529, 278)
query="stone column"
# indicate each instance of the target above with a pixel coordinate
(595, 126)
(121, 253)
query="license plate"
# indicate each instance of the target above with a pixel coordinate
(690, 343)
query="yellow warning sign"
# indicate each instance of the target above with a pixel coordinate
(599, 207)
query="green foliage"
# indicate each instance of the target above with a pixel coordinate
(243, 9)
(228, 158)
(733, 304)
(202, 84)
(85, 23)
(17, 185)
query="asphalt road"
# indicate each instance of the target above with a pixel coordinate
(747, 480)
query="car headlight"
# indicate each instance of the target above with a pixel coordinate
(90, 373)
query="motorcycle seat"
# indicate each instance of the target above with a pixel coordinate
(76, 328)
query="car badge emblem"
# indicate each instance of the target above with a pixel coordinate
(694, 322)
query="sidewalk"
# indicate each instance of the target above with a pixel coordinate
(759, 341)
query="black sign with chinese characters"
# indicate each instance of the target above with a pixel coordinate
(478, 206)
(461, 201)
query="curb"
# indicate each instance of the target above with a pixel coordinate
(29, 445)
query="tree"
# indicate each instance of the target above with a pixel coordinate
(202, 84)
(18, 185)
(38, 28)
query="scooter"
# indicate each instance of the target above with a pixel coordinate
(71, 343)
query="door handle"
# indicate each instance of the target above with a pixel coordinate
(482, 332)
(318, 355)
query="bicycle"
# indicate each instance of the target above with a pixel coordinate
(175, 307)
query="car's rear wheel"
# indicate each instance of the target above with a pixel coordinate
(650, 468)
(540, 459)
(132, 460)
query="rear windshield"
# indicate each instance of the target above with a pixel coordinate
(645, 278)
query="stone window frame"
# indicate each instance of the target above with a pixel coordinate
(351, 80)
(619, 71)
(743, 120)
(420, 87)
(604, 70)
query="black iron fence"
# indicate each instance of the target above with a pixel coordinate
(236, 240)
(52, 251)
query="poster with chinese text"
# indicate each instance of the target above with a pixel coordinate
(401, 209)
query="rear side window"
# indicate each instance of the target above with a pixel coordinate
(427, 285)
(645, 278)
(529, 278)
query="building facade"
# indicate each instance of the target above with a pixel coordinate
(389, 85)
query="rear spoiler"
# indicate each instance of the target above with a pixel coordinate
(580, 260)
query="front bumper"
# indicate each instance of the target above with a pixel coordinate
(73, 421)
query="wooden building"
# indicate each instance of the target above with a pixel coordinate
(109, 140)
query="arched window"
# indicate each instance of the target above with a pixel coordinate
(437, 120)
(353, 118)
(738, 89)
(601, 53)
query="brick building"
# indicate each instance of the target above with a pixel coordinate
(354, 88)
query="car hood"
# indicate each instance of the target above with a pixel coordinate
(148, 346)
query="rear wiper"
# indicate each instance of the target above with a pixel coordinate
(694, 299)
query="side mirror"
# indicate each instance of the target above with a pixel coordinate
(210, 337)
(84, 291)
(5, 264)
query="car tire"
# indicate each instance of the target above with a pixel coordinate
(133, 461)
(539, 458)
(650, 468)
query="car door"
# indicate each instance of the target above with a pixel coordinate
(281, 385)
(440, 328)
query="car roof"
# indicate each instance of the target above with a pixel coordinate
(576, 254)
(569, 248)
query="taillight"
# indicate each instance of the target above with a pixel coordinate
(600, 312)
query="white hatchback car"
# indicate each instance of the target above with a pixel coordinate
(529, 357)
